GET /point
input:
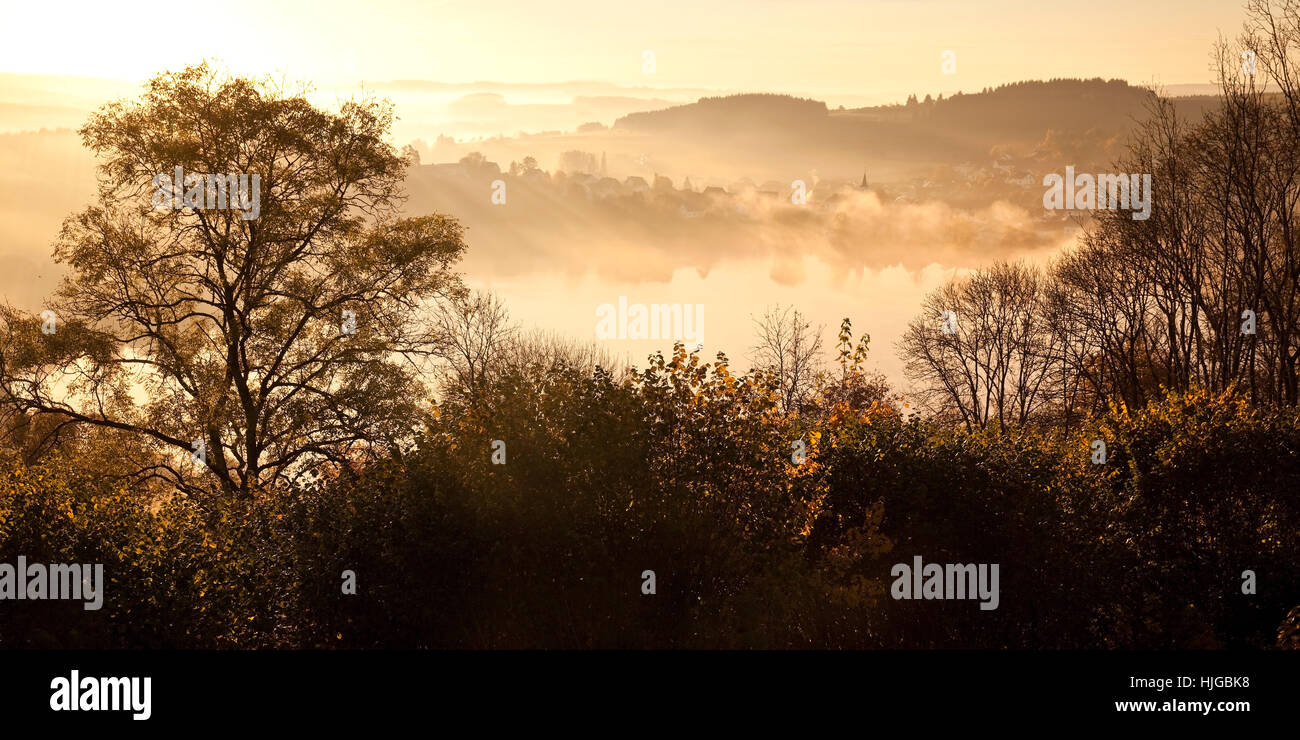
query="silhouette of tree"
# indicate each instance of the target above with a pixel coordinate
(267, 343)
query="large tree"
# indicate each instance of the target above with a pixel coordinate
(268, 344)
(988, 363)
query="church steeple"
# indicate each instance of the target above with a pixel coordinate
(863, 186)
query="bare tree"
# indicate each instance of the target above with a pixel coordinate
(789, 350)
(1205, 292)
(982, 352)
(538, 349)
(475, 331)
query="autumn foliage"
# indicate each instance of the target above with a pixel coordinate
(685, 468)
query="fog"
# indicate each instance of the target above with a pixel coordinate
(854, 213)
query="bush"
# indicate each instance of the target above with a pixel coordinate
(686, 470)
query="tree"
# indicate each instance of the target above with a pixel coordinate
(527, 166)
(856, 390)
(1204, 292)
(258, 346)
(576, 161)
(789, 350)
(980, 352)
(474, 329)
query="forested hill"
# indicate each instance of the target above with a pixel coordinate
(1094, 113)
(729, 113)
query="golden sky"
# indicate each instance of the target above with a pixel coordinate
(880, 49)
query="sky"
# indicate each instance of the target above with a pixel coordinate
(877, 49)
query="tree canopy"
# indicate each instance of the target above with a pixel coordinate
(249, 346)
